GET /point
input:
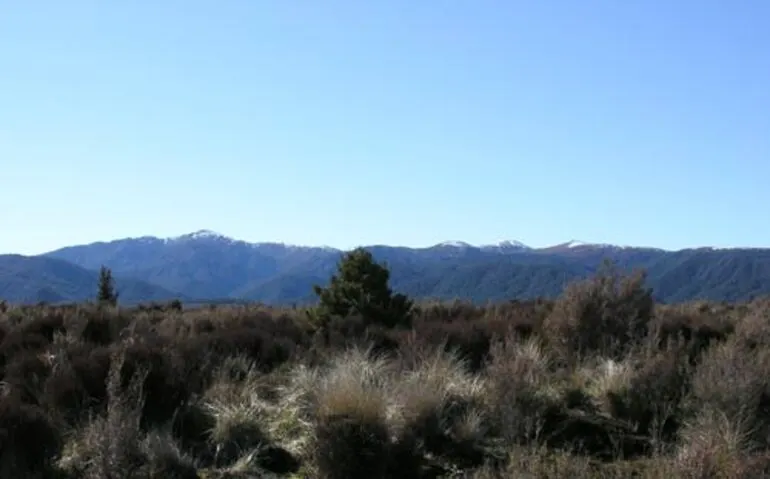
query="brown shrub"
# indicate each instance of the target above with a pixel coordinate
(18, 343)
(77, 386)
(734, 380)
(45, 324)
(26, 375)
(650, 399)
(753, 329)
(29, 442)
(695, 328)
(604, 315)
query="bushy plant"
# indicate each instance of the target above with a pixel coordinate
(360, 287)
(29, 441)
(604, 315)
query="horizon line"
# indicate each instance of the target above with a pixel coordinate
(509, 243)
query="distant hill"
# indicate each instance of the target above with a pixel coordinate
(204, 265)
(31, 279)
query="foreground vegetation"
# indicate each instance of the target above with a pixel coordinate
(598, 383)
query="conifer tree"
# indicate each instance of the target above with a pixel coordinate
(360, 287)
(107, 295)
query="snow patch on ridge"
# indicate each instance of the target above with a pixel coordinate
(506, 244)
(455, 244)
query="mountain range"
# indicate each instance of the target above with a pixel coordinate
(206, 266)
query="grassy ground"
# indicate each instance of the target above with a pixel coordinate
(600, 383)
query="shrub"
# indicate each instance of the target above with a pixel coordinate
(696, 331)
(109, 445)
(604, 315)
(469, 339)
(734, 381)
(29, 442)
(77, 387)
(16, 343)
(26, 375)
(45, 324)
(267, 350)
(165, 378)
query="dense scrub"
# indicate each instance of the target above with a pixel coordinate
(599, 383)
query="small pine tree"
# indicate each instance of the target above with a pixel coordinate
(360, 287)
(107, 293)
(175, 305)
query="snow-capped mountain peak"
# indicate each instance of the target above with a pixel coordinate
(501, 246)
(201, 235)
(506, 245)
(577, 244)
(454, 244)
(205, 234)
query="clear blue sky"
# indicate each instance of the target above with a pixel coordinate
(398, 122)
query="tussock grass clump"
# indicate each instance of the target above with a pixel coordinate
(713, 446)
(522, 392)
(645, 392)
(237, 412)
(351, 436)
(440, 409)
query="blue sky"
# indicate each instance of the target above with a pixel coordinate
(397, 122)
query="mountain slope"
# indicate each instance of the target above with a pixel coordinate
(206, 265)
(30, 279)
(202, 264)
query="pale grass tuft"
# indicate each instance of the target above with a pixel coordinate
(351, 435)
(472, 427)
(242, 417)
(441, 387)
(236, 425)
(521, 387)
(355, 384)
(609, 377)
(712, 445)
(236, 378)
(247, 463)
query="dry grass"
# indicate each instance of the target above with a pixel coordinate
(598, 383)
